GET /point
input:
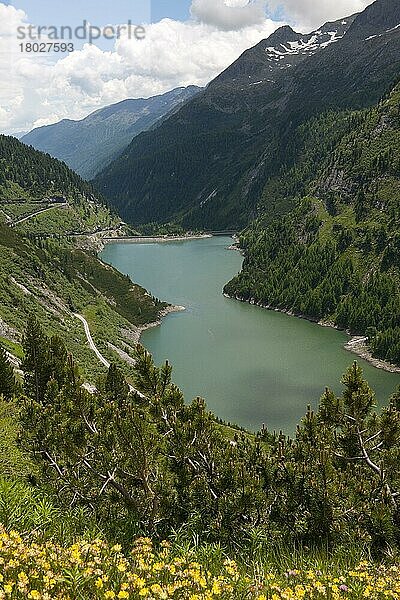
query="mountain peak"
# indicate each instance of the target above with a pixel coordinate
(208, 165)
(283, 35)
(265, 62)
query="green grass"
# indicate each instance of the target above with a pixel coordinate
(11, 190)
(76, 218)
(14, 464)
(22, 209)
(12, 347)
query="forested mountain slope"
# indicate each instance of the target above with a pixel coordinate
(89, 145)
(52, 281)
(31, 181)
(207, 164)
(44, 273)
(27, 173)
(334, 254)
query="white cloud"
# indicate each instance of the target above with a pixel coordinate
(229, 14)
(309, 14)
(10, 19)
(42, 89)
(39, 90)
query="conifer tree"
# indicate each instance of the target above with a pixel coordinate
(395, 399)
(35, 365)
(331, 409)
(357, 396)
(116, 387)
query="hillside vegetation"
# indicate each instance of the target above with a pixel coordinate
(44, 272)
(29, 183)
(100, 570)
(315, 516)
(53, 282)
(112, 484)
(33, 175)
(333, 254)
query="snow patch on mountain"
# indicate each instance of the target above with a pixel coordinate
(371, 37)
(307, 45)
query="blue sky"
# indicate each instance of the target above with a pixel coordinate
(57, 12)
(180, 9)
(174, 9)
(74, 11)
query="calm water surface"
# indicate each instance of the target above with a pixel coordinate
(253, 366)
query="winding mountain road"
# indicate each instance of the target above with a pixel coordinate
(8, 218)
(91, 343)
(39, 212)
(101, 358)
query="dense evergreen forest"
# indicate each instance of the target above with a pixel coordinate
(327, 243)
(29, 174)
(120, 465)
(32, 182)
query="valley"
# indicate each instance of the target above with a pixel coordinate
(187, 415)
(91, 144)
(253, 366)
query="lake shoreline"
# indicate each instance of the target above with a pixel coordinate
(98, 241)
(155, 239)
(224, 352)
(136, 333)
(356, 344)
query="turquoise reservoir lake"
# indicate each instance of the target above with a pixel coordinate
(253, 366)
